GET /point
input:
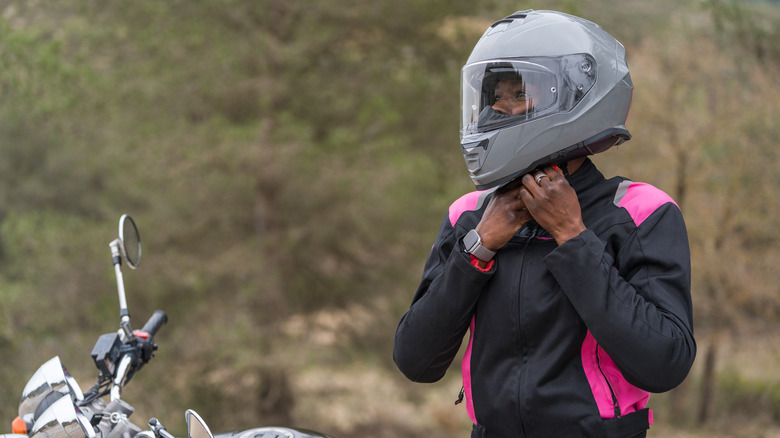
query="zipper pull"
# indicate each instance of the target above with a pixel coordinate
(460, 397)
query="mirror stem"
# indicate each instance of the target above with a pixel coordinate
(120, 285)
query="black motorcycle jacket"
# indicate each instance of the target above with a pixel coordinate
(565, 341)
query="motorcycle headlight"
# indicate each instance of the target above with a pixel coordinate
(50, 377)
(61, 420)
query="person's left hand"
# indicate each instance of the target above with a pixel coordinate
(553, 203)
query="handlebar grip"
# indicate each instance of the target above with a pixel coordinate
(156, 321)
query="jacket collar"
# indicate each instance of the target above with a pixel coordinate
(586, 176)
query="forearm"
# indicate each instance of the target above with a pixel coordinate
(644, 326)
(430, 333)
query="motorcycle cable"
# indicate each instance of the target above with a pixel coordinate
(95, 392)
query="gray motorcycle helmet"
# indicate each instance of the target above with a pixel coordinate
(570, 87)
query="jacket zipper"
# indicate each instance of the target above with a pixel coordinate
(615, 404)
(520, 326)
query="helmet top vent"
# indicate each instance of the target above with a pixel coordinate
(519, 15)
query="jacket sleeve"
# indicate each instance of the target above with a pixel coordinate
(430, 333)
(637, 307)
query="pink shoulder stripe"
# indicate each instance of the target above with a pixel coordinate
(640, 200)
(468, 202)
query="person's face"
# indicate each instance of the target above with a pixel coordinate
(513, 97)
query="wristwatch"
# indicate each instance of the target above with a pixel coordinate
(473, 245)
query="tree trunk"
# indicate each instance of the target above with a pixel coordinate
(707, 383)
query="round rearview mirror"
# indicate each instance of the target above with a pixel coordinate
(130, 241)
(196, 427)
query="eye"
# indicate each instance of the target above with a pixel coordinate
(520, 95)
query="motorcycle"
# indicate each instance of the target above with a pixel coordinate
(53, 405)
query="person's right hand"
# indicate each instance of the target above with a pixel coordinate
(504, 215)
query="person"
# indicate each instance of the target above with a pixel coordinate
(574, 288)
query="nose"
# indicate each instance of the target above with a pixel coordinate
(503, 107)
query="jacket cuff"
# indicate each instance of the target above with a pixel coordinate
(584, 250)
(475, 261)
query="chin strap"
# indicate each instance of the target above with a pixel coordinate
(565, 168)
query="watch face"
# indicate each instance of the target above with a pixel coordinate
(471, 240)
(473, 245)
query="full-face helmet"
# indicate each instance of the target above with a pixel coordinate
(541, 88)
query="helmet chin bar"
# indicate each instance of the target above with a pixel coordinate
(590, 146)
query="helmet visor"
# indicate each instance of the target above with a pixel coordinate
(504, 92)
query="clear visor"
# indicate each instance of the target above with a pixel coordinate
(504, 92)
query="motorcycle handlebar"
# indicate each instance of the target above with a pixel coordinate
(157, 320)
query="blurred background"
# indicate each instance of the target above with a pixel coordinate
(288, 165)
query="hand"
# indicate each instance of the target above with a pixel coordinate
(553, 203)
(504, 215)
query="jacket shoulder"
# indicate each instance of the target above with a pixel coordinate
(469, 202)
(641, 199)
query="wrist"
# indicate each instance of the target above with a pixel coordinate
(487, 238)
(565, 236)
(472, 244)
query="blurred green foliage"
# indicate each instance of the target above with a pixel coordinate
(288, 164)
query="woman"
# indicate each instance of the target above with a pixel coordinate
(575, 289)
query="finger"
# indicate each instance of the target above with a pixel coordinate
(540, 176)
(554, 173)
(509, 191)
(526, 196)
(515, 204)
(530, 185)
(557, 180)
(509, 198)
(531, 202)
(507, 202)
(510, 186)
(522, 217)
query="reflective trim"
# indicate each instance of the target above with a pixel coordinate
(640, 200)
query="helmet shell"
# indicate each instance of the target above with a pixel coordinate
(596, 121)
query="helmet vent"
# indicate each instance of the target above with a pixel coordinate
(519, 15)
